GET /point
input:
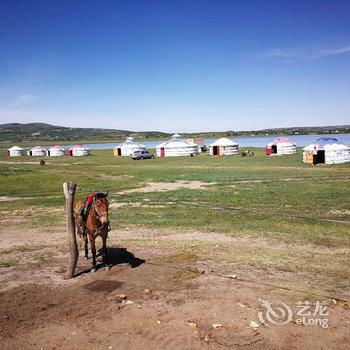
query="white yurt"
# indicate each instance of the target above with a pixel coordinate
(15, 151)
(37, 151)
(56, 151)
(177, 146)
(196, 142)
(281, 146)
(329, 151)
(127, 148)
(78, 151)
(223, 147)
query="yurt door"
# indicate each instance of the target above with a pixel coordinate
(321, 157)
(274, 149)
(119, 151)
(162, 152)
(216, 150)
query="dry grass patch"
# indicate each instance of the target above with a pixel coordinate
(179, 257)
(185, 275)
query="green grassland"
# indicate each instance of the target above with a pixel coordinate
(276, 201)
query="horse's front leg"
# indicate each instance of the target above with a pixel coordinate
(93, 253)
(104, 250)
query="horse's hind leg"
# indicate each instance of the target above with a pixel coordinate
(104, 251)
(93, 252)
(86, 247)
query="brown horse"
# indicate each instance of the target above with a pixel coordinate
(96, 224)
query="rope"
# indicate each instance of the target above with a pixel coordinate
(251, 281)
(275, 213)
(344, 177)
(90, 190)
(216, 207)
(249, 211)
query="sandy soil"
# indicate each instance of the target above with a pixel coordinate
(170, 186)
(169, 304)
(7, 198)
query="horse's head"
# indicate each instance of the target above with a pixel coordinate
(101, 207)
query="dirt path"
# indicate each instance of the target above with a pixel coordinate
(172, 300)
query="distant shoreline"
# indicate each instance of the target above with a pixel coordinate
(257, 141)
(46, 134)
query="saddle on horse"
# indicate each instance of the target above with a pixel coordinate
(83, 211)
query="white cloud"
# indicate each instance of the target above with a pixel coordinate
(331, 52)
(310, 52)
(286, 55)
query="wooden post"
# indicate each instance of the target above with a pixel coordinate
(69, 191)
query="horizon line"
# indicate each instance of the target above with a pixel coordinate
(189, 132)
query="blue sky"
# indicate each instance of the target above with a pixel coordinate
(175, 65)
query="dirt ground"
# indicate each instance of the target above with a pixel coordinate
(172, 301)
(170, 186)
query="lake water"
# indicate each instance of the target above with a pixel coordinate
(243, 141)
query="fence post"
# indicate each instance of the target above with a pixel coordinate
(69, 191)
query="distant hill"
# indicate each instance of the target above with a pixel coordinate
(16, 132)
(41, 132)
(307, 130)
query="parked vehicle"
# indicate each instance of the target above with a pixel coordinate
(137, 155)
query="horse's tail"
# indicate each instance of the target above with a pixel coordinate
(79, 223)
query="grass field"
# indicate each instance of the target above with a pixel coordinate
(273, 207)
